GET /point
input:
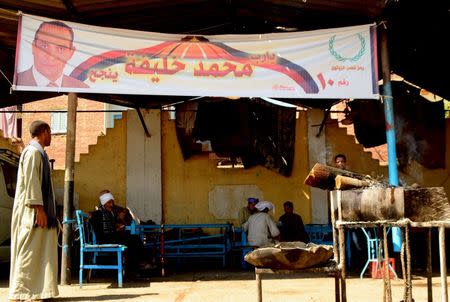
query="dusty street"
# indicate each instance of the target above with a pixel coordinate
(234, 286)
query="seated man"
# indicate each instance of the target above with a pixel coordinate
(261, 228)
(291, 225)
(109, 223)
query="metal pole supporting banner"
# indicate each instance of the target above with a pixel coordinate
(389, 110)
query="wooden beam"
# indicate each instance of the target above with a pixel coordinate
(66, 268)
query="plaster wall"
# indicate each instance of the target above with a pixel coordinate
(317, 150)
(104, 167)
(191, 186)
(144, 165)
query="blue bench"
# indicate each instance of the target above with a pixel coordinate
(185, 240)
(320, 233)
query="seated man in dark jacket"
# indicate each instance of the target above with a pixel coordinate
(291, 225)
(109, 223)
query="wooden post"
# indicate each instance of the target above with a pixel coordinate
(443, 260)
(66, 269)
(429, 268)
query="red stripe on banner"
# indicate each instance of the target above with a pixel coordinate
(322, 80)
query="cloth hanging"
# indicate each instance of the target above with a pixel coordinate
(258, 132)
(8, 121)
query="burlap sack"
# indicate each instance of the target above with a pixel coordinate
(290, 255)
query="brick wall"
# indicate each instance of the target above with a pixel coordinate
(89, 126)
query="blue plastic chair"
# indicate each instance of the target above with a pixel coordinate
(88, 245)
(373, 244)
(241, 243)
(246, 248)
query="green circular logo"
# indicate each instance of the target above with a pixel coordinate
(351, 59)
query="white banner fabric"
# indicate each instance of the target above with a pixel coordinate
(71, 57)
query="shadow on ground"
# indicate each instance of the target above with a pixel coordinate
(103, 298)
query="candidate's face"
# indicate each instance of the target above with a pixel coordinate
(52, 48)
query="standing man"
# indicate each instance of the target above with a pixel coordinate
(355, 236)
(291, 225)
(245, 212)
(261, 228)
(34, 252)
(52, 48)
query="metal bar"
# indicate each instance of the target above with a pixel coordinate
(325, 117)
(429, 268)
(193, 226)
(52, 111)
(333, 226)
(409, 297)
(195, 246)
(330, 268)
(387, 273)
(337, 287)
(342, 264)
(195, 238)
(258, 287)
(194, 255)
(66, 267)
(403, 264)
(443, 261)
(144, 125)
(389, 110)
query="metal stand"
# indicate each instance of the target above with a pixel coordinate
(331, 268)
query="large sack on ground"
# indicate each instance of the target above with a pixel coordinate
(290, 255)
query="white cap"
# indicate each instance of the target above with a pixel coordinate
(105, 197)
(261, 205)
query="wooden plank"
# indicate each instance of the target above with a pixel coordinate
(345, 183)
(323, 176)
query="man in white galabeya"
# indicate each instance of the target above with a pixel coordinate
(34, 240)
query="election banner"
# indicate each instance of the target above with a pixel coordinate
(62, 56)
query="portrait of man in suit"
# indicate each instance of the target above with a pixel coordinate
(52, 47)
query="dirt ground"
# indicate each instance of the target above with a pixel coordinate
(233, 286)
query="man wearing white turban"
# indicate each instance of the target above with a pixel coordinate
(261, 228)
